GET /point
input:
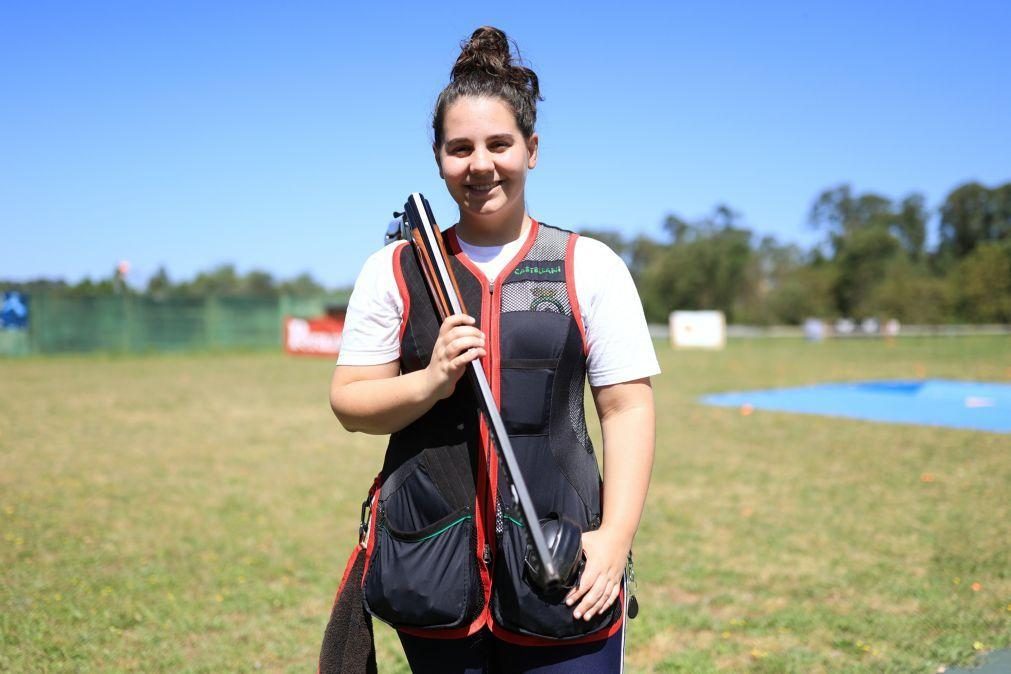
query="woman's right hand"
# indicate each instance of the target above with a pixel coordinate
(459, 343)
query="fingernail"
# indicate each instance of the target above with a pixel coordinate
(576, 615)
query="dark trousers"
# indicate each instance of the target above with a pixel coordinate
(482, 653)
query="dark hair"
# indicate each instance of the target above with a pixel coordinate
(486, 68)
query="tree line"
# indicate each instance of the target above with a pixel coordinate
(872, 262)
(222, 281)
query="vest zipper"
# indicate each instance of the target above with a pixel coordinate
(491, 362)
(486, 553)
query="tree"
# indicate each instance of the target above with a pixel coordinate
(841, 214)
(982, 283)
(641, 252)
(866, 233)
(704, 267)
(303, 285)
(861, 262)
(971, 215)
(159, 286)
(771, 268)
(909, 293)
(106, 287)
(803, 292)
(220, 281)
(610, 237)
(910, 225)
(258, 283)
(678, 229)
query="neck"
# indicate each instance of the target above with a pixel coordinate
(493, 231)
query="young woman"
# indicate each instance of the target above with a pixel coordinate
(446, 550)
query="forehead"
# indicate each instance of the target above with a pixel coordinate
(473, 117)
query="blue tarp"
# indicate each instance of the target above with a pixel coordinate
(984, 406)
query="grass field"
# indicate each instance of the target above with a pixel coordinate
(192, 513)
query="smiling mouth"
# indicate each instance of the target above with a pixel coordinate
(483, 188)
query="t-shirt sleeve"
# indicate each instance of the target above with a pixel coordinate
(619, 346)
(371, 333)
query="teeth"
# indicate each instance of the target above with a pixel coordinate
(482, 188)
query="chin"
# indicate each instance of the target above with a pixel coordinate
(486, 209)
(490, 207)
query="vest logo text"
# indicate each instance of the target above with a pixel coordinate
(538, 269)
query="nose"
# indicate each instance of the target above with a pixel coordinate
(481, 161)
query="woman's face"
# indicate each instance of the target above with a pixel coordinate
(484, 158)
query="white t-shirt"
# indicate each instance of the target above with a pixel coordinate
(618, 342)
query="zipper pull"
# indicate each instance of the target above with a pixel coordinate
(491, 287)
(487, 555)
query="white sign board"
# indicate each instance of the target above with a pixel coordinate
(698, 329)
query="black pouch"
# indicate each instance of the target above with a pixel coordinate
(423, 569)
(526, 394)
(519, 606)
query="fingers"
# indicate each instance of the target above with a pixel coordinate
(462, 349)
(467, 356)
(606, 599)
(576, 593)
(454, 321)
(598, 597)
(600, 583)
(459, 342)
(595, 593)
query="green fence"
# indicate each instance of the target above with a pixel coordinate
(130, 323)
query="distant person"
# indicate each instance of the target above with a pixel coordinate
(446, 549)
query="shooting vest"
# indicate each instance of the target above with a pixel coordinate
(445, 553)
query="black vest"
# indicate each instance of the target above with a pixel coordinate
(446, 555)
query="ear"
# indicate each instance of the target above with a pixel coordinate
(435, 151)
(532, 144)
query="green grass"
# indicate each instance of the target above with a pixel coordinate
(192, 513)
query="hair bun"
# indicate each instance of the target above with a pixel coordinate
(487, 54)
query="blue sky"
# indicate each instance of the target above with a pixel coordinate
(281, 136)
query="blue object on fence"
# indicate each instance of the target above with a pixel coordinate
(14, 313)
(984, 406)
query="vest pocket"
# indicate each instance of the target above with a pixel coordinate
(519, 606)
(423, 568)
(425, 578)
(526, 394)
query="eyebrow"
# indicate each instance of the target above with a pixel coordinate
(497, 136)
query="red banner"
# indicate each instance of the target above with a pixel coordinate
(314, 336)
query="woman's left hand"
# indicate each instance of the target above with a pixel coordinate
(606, 553)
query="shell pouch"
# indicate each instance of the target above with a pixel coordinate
(519, 606)
(423, 569)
